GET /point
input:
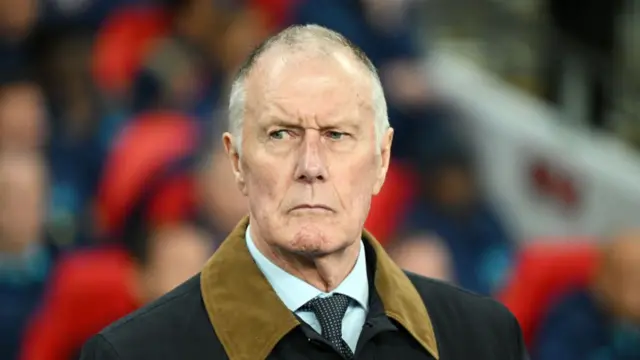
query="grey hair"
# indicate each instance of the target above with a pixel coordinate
(304, 38)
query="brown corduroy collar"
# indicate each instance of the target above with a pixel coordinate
(250, 319)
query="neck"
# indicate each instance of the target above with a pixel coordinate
(323, 272)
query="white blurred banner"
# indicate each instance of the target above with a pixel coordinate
(549, 179)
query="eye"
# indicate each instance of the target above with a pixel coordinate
(279, 134)
(335, 135)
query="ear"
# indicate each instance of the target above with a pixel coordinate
(231, 147)
(385, 159)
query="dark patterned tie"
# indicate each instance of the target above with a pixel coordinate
(329, 311)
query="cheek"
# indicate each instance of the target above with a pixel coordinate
(357, 183)
(264, 186)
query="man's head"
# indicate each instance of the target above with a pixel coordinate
(17, 18)
(219, 29)
(22, 200)
(423, 254)
(618, 277)
(309, 139)
(176, 252)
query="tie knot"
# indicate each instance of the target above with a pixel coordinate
(335, 305)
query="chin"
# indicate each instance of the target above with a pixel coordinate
(315, 240)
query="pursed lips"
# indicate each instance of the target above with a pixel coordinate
(311, 207)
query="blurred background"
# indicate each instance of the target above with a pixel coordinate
(516, 171)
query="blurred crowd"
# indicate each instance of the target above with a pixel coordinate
(115, 186)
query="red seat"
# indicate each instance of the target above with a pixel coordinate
(89, 290)
(150, 142)
(122, 43)
(545, 271)
(390, 205)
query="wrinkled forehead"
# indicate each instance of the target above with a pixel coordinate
(325, 86)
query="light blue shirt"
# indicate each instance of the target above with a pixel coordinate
(294, 292)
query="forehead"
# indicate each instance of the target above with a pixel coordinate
(306, 85)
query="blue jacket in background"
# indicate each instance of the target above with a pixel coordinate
(480, 247)
(577, 329)
(21, 289)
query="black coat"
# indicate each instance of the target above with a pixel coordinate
(230, 311)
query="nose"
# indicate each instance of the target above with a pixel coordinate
(311, 166)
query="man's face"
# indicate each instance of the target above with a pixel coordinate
(310, 160)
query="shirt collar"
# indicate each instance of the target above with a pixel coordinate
(294, 292)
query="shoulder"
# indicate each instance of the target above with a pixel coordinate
(572, 328)
(158, 312)
(580, 299)
(455, 313)
(170, 327)
(448, 297)
(577, 311)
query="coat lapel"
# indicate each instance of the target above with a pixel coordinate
(249, 318)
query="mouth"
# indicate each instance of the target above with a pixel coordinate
(312, 208)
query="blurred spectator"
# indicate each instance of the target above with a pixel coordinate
(276, 12)
(451, 206)
(188, 69)
(146, 210)
(25, 259)
(67, 81)
(88, 289)
(247, 29)
(22, 116)
(383, 29)
(601, 321)
(23, 195)
(423, 255)
(206, 24)
(169, 78)
(148, 178)
(17, 18)
(389, 207)
(87, 14)
(177, 252)
(544, 270)
(78, 140)
(92, 288)
(222, 202)
(149, 189)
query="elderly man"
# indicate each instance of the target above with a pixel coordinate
(309, 145)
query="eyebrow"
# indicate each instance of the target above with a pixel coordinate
(280, 122)
(350, 126)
